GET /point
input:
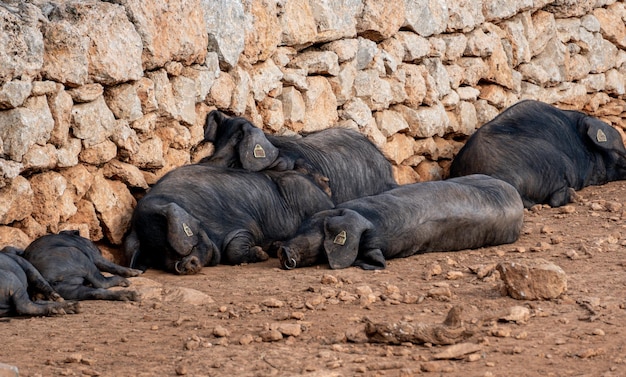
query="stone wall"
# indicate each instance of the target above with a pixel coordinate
(98, 99)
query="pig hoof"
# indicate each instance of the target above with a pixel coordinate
(73, 308)
(124, 283)
(259, 254)
(56, 297)
(134, 272)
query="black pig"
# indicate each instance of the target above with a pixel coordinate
(200, 215)
(459, 213)
(18, 279)
(352, 164)
(72, 265)
(544, 152)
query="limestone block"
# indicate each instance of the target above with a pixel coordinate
(357, 110)
(149, 155)
(228, 42)
(429, 171)
(46, 87)
(114, 47)
(265, 78)
(125, 138)
(464, 15)
(98, 154)
(40, 157)
(92, 122)
(549, 67)
(53, 200)
(184, 92)
(86, 214)
(203, 77)
(415, 46)
(262, 37)
(174, 135)
(221, 92)
(241, 91)
(372, 89)
(474, 70)
(343, 83)
(455, 45)
(533, 279)
(79, 178)
(86, 93)
(414, 83)
(271, 111)
(405, 175)
(113, 204)
(438, 72)
(66, 54)
(495, 10)
(516, 37)
(320, 104)
(468, 120)
(612, 24)
(316, 62)
(380, 20)
(295, 78)
(145, 90)
(398, 148)
(127, 173)
(124, 102)
(577, 67)
(293, 107)
(160, 23)
(67, 155)
(298, 24)
(11, 236)
(426, 17)
(390, 122)
(425, 121)
(22, 43)
(14, 93)
(60, 104)
(23, 127)
(336, 19)
(345, 49)
(615, 82)
(541, 29)
(570, 8)
(16, 200)
(484, 112)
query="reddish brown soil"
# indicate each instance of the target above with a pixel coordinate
(582, 333)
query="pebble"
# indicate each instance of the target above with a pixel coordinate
(273, 303)
(329, 279)
(181, 370)
(454, 275)
(246, 339)
(221, 332)
(271, 335)
(598, 332)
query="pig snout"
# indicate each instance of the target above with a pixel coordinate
(188, 265)
(286, 257)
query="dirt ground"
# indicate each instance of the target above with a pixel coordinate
(258, 320)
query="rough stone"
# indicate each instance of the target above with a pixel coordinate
(113, 204)
(535, 279)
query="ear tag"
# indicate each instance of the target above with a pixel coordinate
(259, 152)
(600, 136)
(340, 239)
(187, 230)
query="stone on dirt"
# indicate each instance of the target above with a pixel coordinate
(535, 279)
(7, 370)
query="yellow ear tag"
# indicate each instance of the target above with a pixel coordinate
(340, 239)
(600, 136)
(259, 152)
(187, 230)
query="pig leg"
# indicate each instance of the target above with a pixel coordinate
(24, 306)
(35, 280)
(83, 292)
(561, 197)
(240, 248)
(106, 265)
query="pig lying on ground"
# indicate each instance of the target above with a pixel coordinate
(544, 152)
(72, 265)
(18, 280)
(201, 215)
(456, 214)
(352, 164)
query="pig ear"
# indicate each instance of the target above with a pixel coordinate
(131, 249)
(372, 259)
(342, 235)
(255, 151)
(213, 121)
(182, 228)
(603, 135)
